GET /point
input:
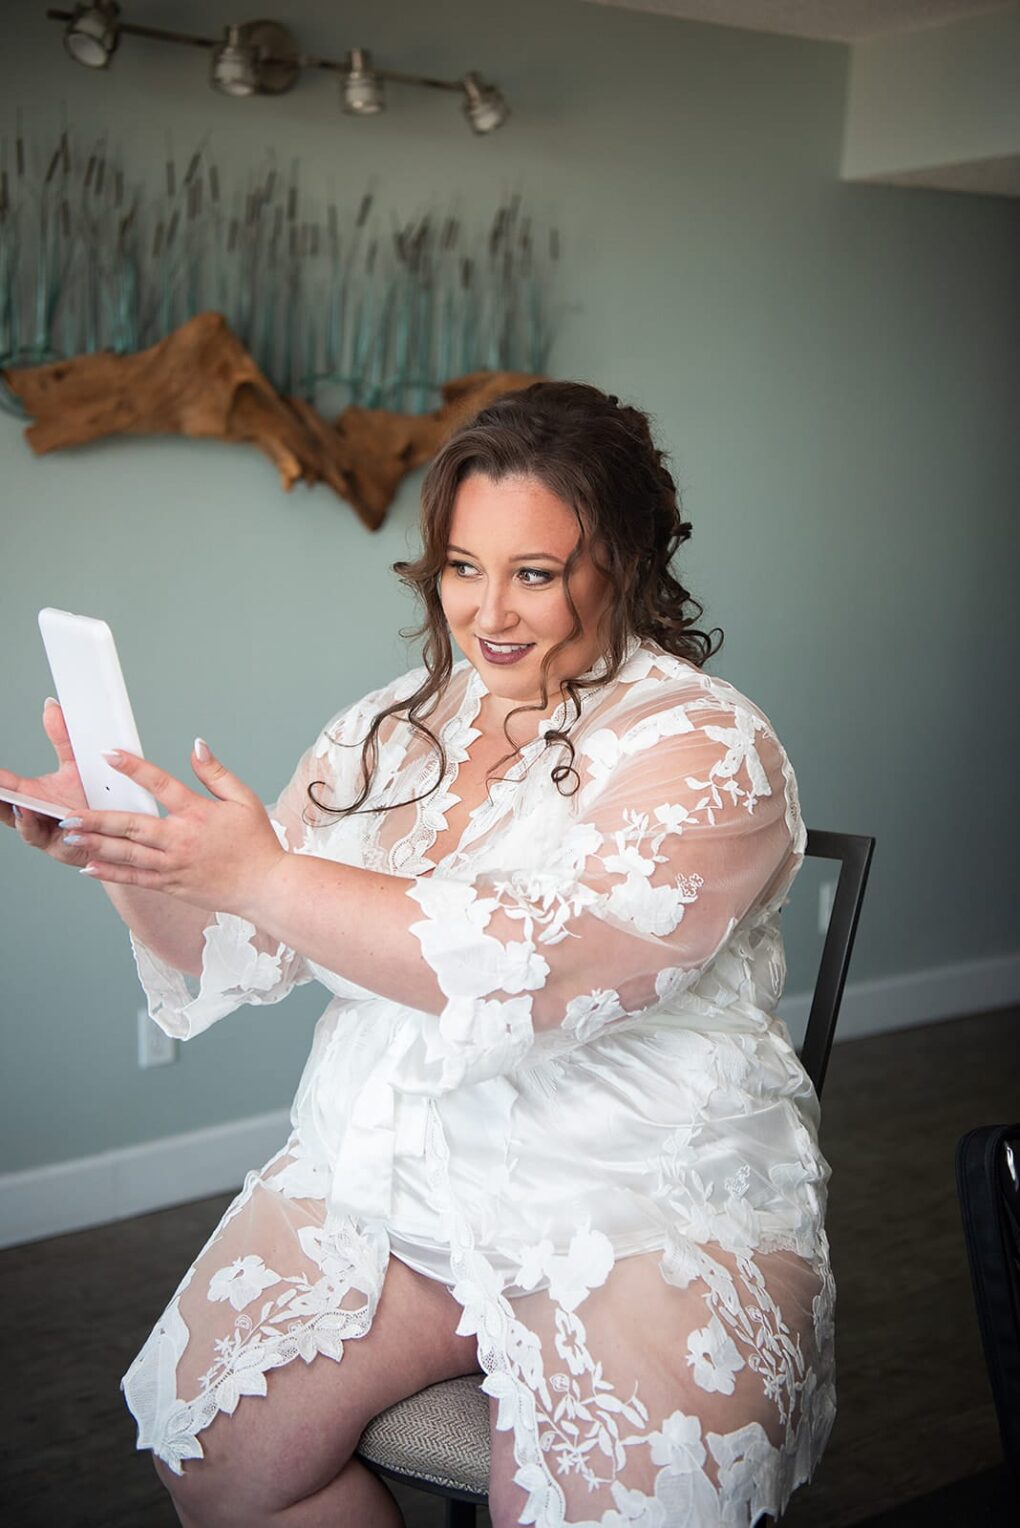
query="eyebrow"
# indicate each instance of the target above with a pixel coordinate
(524, 557)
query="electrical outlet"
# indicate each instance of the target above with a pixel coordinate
(154, 1047)
(826, 897)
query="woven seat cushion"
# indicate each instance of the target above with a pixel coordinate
(440, 1435)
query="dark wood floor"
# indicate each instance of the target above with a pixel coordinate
(915, 1411)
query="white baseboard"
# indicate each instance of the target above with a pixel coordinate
(919, 997)
(91, 1191)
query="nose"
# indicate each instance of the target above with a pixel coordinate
(496, 617)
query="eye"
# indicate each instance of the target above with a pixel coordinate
(532, 578)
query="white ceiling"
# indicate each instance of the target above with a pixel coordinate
(831, 20)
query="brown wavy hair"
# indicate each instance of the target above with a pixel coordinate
(597, 455)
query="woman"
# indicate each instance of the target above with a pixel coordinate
(550, 1125)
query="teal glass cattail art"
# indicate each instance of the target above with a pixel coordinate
(329, 301)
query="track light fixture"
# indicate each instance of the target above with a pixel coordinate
(262, 58)
(258, 58)
(235, 66)
(91, 35)
(362, 89)
(484, 107)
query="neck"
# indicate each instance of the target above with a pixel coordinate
(495, 709)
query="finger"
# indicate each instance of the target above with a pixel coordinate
(38, 786)
(55, 728)
(115, 851)
(136, 826)
(168, 791)
(8, 811)
(35, 829)
(123, 875)
(20, 783)
(216, 778)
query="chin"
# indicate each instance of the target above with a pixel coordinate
(499, 681)
(525, 689)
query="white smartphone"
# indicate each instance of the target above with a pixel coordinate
(91, 690)
(33, 804)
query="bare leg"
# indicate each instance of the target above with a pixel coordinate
(285, 1456)
(355, 1498)
(636, 1335)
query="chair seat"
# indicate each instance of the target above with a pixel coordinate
(440, 1435)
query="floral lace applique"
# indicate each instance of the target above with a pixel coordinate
(303, 1317)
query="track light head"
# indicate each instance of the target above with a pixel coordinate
(361, 88)
(91, 35)
(484, 107)
(235, 65)
(256, 58)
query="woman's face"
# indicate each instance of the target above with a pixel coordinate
(503, 584)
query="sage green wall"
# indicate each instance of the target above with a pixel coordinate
(833, 368)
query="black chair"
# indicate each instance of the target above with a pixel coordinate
(438, 1440)
(853, 851)
(988, 1189)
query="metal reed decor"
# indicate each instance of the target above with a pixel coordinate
(318, 297)
(210, 310)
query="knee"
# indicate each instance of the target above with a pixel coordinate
(506, 1505)
(506, 1498)
(203, 1495)
(172, 1484)
(164, 1473)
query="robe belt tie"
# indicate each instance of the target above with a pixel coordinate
(383, 1121)
(390, 1118)
(381, 1126)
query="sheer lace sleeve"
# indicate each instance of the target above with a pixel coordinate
(686, 821)
(240, 964)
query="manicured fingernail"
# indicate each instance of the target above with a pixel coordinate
(89, 870)
(70, 822)
(73, 838)
(51, 700)
(114, 757)
(201, 750)
(17, 811)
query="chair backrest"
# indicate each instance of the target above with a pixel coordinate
(853, 851)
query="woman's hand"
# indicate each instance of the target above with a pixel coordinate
(63, 787)
(215, 854)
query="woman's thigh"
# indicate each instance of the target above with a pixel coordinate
(295, 1333)
(278, 1449)
(639, 1375)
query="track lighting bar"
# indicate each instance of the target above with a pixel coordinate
(262, 58)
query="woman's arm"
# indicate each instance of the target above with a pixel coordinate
(169, 927)
(167, 875)
(352, 921)
(194, 856)
(686, 820)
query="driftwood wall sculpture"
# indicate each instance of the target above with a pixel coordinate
(201, 381)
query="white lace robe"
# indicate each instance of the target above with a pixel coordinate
(608, 1079)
